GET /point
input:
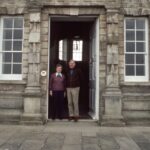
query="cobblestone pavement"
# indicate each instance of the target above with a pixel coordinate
(73, 136)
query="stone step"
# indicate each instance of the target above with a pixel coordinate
(138, 122)
(141, 105)
(139, 114)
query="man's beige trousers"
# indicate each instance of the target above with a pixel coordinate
(73, 99)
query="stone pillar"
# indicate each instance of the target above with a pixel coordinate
(112, 95)
(32, 96)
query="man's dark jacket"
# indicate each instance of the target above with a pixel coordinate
(74, 78)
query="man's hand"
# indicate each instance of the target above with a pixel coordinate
(64, 94)
(50, 92)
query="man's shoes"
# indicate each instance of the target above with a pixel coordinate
(70, 118)
(76, 119)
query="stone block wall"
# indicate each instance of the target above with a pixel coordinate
(136, 104)
(11, 101)
(135, 96)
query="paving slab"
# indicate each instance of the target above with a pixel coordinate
(55, 139)
(144, 145)
(89, 134)
(52, 147)
(73, 136)
(126, 143)
(91, 147)
(147, 136)
(108, 142)
(10, 147)
(71, 147)
(90, 140)
(32, 145)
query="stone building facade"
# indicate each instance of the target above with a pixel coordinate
(122, 83)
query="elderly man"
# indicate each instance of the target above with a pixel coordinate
(73, 87)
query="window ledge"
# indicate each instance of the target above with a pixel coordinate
(135, 84)
(12, 82)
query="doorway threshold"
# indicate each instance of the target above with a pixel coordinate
(65, 123)
(66, 120)
(65, 126)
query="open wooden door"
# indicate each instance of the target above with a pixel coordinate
(94, 71)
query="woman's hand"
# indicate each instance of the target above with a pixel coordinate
(50, 92)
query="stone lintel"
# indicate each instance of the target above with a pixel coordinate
(112, 11)
(12, 10)
(135, 11)
(34, 9)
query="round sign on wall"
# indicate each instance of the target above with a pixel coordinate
(43, 73)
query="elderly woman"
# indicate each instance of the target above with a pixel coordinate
(57, 91)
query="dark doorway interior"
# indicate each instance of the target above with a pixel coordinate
(77, 33)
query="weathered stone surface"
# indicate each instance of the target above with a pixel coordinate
(72, 139)
(112, 54)
(112, 18)
(34, 37)
(32, 145)
(3, 10)
(37, 138)
(108, 142)
(72, 147)
(91, 147)
(126, 144)
(55, 139)
(34, 58)
(32, 105)
(90, 140)
(35, 17)
(111, 38)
